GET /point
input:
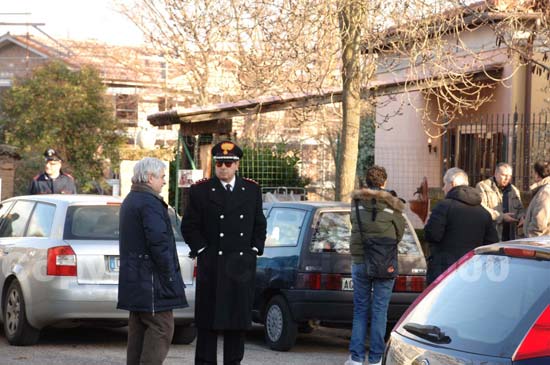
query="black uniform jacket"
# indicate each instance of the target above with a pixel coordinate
(224, 227)
(43, 184)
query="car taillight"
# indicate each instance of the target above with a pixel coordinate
(519, 252)
(308, 281)
(537, 341)
(435, 283)
(409, 283)
(318, 281)
(195, 270)
(332, 281)
(61, 261)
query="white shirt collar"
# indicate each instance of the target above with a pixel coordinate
(232, 183)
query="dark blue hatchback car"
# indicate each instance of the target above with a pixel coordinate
(492, 307)
(304, 275)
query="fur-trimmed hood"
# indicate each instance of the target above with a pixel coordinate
(380, 195)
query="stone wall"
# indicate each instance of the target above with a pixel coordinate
(7, 174)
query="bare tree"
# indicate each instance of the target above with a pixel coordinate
(272, 46)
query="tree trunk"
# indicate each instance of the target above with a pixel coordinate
(350, 22)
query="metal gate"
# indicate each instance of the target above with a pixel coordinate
(478, 144)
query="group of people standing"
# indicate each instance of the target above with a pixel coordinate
(225, 228)
(503, 201)
(492, 211)
(466, 218)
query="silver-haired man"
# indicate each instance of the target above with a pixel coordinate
(457, 224)
(150, 284)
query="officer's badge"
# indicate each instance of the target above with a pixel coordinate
(226, 147)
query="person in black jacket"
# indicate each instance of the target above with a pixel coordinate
(53, 180)
(150, 284)
(457, 224)
(225, 228)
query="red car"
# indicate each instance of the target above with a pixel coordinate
(491, 307)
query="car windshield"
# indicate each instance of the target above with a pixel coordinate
(334, 230)
(487, 305)
(93, 222)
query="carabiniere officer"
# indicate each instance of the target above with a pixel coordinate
(225, 228)
(53, 180)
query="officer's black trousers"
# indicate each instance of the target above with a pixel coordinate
(207, 346)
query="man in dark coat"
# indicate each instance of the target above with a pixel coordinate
(457, 224)
(225, 228)
(150, 283)
(53, 180)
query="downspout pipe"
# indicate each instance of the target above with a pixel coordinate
(527, 125)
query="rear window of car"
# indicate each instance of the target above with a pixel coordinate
(334, 230)
(332, 233)
(91, 222)
(487, 305)
(408, 244)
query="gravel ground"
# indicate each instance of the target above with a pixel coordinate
(107, 346)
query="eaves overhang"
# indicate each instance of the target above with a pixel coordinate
(302, 100)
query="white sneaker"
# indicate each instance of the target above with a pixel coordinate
(349, 361)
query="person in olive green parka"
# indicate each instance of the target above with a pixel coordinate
(374, 266)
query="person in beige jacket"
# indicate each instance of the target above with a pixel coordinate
(537, 217)
(503, 201)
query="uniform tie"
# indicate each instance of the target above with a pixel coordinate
(228, 188)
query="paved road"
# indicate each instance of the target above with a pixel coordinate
(107, 346)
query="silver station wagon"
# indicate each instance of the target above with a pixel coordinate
(59, 266)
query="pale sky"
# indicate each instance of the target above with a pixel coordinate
(71, 19)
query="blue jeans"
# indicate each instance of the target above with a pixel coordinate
(370, 296)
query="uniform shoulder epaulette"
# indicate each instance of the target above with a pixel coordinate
(69, 175)
(250, 180)
(201, 181)
(36, 177)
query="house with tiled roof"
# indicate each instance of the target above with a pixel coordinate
(138, 82)
(512, 125)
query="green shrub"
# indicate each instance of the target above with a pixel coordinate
(272, 166)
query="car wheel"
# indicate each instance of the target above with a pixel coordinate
(280, 328)
(184, 335)
(17, 330)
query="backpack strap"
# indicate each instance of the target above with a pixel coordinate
(374, 210)
(358, 218)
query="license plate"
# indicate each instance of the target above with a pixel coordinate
(114, 263)
(347, 284)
